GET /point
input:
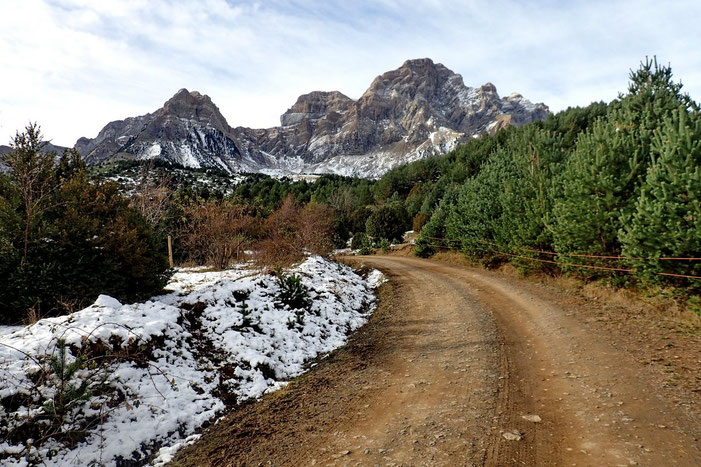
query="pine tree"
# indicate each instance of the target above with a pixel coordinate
(388, 222)
(434, 232)
(601, 183)
(525, 197)
(667, 217)
(596, 187)
(32, 172)
(472, 218)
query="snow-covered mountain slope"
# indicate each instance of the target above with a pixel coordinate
(420, 109)
(188, 130)
(155, 372)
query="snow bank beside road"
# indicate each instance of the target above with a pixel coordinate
(155, 372)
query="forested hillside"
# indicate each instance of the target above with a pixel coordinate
(611, 190)
(606, 191)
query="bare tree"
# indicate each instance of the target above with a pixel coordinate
(316, 228)
(152, 195)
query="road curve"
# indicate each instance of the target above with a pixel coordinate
(453, 372)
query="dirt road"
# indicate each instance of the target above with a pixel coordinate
(460, 366)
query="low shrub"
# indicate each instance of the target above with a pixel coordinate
(359, 241)
(217, 233)
(389, 221)
(384, 245)
(293, 294)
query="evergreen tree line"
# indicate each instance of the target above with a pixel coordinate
(616, 180)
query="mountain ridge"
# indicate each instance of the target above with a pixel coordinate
(419, 109)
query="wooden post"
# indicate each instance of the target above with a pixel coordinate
(170, 251)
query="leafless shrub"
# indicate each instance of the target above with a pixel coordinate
(151, 196)
(217, 233)
(316, 228)
(281, 244)
(419, 221)
(292, 231)
(33, 315)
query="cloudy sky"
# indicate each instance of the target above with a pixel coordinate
(75, 65)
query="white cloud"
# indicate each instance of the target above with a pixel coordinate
(74, 65)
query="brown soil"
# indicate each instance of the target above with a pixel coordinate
(452, 361)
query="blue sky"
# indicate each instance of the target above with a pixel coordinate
(75, 65)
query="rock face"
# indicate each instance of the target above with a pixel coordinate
(188, 130)
(417, 110)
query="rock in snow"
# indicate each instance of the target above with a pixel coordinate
(420, 109)
(176, 361)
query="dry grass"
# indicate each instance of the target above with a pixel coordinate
(354, 263)
(403, 249)
(657, 304)
(454, 258)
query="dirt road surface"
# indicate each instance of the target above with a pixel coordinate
(460, 366)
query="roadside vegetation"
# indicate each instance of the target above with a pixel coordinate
(605, 192)
(65, 239)
(608, 191)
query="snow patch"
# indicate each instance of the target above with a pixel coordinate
(106, 301)
(217, 338)
(376, 279)
(153, 151)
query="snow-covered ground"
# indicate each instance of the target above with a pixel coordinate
(151, 374)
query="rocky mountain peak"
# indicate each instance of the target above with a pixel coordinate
(488, 88)
(185, 97)
(195, 106)
(315, 105)
(418, 78)
(423, 69)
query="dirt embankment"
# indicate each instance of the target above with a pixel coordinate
(461, 366)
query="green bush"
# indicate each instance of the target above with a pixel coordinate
(389, 221)
(75, 241)
(293, 293)
(359, 241)
(433, 232)
(384, 245)
(366, 250)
